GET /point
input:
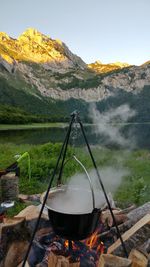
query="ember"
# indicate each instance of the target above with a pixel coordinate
(87, 252)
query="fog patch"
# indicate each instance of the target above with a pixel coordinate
(110, 124)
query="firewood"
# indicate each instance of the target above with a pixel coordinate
(133, 216)
(57, 261)
(145, 247)
(16, 253)
(130, 232)
(127, 210)
(138, 213)
(76, 264)
(138, 258)
(60, 261)
(107, 260)
(26, 264)
(106, 218)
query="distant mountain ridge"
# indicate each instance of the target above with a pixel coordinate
(99, 67)
(42, 76)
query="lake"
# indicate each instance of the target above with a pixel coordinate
(137, 133)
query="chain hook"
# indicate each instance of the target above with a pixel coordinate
(74, 133)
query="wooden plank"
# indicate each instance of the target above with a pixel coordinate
(130, 232)
(108, 260)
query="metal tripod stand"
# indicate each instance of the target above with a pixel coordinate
(74, 118)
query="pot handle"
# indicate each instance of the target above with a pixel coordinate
(89, 179)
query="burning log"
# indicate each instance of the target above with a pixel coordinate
(107, 260)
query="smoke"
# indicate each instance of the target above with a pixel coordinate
(111, 122)
(76, 197)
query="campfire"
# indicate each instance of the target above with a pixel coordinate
(50, 250)
(85, 252)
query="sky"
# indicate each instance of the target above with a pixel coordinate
(105, 30)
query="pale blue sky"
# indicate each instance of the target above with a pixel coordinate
(105, 30)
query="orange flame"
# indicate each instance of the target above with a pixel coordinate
(93, 242)
(66, 244)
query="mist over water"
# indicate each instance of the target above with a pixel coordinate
(111, 123)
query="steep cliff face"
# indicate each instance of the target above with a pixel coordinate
(33, 46)
(78, 84)
(46, 69)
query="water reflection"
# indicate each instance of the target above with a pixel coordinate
(140, 133)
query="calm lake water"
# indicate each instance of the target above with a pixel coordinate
(136, 133)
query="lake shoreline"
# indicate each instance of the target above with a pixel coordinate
(5, 127)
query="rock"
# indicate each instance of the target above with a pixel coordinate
(7, 63)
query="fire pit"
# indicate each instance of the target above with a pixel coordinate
(85, 252)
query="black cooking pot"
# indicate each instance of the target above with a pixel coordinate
(75, 225)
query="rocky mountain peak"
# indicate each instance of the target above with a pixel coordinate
(33, 46)
(32, 34)
(120, 64)
(100, 67)
(4, 36)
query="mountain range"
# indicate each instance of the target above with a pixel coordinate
(41, 78)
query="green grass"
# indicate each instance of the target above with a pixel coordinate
(135, 187)
(16, 208)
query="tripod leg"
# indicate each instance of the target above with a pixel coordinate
(102, 186)
(48, 189)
